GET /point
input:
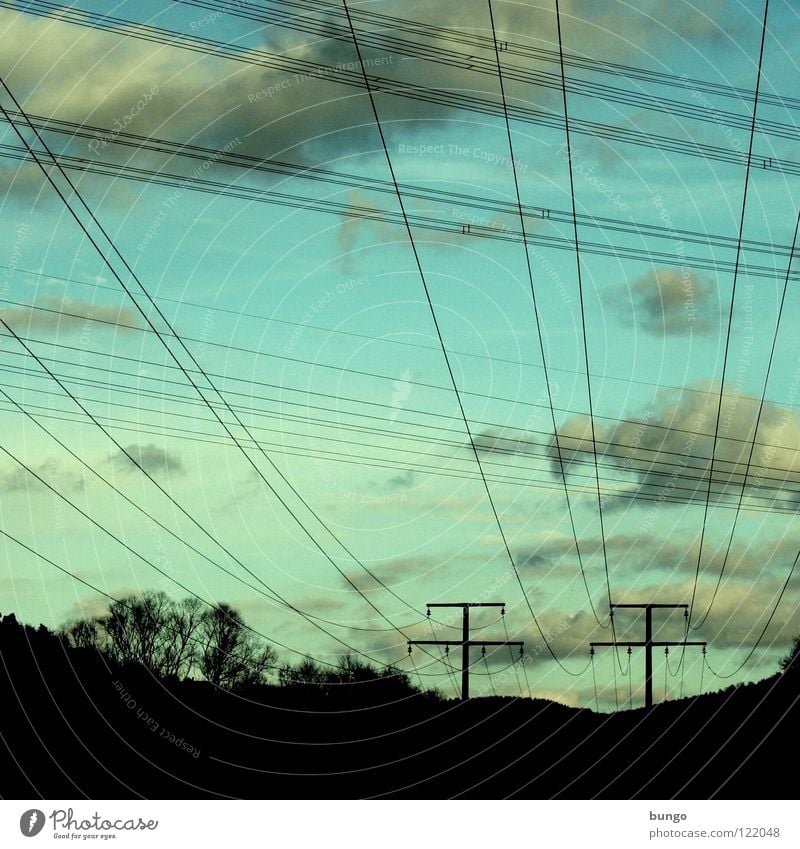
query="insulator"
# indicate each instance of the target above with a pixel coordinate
(502, 611)
(591, 651)
(483, 650)
(429, 612)
(447, 649)
(704, 651)
(521, 652)
(630, 650)
(409, 649)
(666, 649)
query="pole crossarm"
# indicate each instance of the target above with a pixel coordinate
(469, 604)
(635, 643)
(465, 642)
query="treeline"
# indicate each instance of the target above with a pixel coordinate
(188, 640)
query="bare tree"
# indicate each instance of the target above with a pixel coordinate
(305, 674)
(181, 638)
(176, 639)
(137, 630)
(231, 656)
(83, 634)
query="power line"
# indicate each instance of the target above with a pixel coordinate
(771, 616)
(316, 174)
(457, 227)
(367, 461)
(751, 449)
(518, 446)
(313, 70)
(188, 376)
(339, 332)
(537, 320)
(579, 272)
(445, 355)
(471, 62)
(474, 39)
(731, 309)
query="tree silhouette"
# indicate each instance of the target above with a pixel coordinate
(136, 631)
(231, 656)
(791, 663)
(305, 674)
(83, 634)
(353, 679)
(176, 639)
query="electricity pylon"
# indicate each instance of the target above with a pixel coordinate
(465, 641)
(648, 643)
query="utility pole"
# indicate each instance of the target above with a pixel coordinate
(465, 641)
(648, 643)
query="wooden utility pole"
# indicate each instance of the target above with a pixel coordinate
(648, 643)
(465, 641)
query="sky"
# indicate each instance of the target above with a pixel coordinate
(432, 423)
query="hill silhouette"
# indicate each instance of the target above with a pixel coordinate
(76, 724)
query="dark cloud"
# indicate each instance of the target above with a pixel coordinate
(60, 314)
(671, 302)
(154, 459)
(401, 481)
(14, 479)
(664, 453)
(126, 84)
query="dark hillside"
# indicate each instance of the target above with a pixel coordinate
(73, 725)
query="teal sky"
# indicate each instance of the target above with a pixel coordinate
(315, 327)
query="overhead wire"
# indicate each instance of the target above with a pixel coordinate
(318, 174)
(453, 225)
(731, 308)
(265, 591)
(384, 42)
(434, 319)
(584, 338)
(748, 165)
(476, 39)
(189, 378)
(751, 449)
(519, 451)
(403, 89)
(538, 323)
(757, 643)
(336, 332)
(730, 474)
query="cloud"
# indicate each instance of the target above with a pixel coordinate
(567, 634)
(124, 84)
(736, 619)
(352, 230)
(154, 459)
(120, 83)
(748, 558)
(14, 479)
(665, 453)
(403, 480)
(671, 302)
(60, 314)
(738, 615)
